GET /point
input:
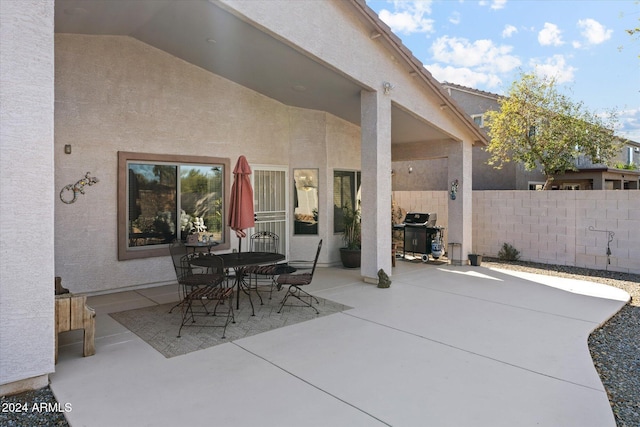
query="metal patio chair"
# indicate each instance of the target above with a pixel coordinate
(263, 241)
(204, 288)
(296, 281)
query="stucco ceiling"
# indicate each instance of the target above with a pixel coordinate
(205, 35)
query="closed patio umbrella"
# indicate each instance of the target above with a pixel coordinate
(241, 214)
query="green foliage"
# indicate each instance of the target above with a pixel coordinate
(352, 230)
(508, 253)
(626, 166)
(540, 127)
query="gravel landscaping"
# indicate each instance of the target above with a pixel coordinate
(615, 350)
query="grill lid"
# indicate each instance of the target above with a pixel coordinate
(415, 218)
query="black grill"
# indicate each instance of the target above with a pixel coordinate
(414, 219)
(420, 231)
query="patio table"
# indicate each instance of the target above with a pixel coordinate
(210, 244)
(238, 260)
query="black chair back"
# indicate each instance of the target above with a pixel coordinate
(265, 241)
(178, 253)
(315, 262)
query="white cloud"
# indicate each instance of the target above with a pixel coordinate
(409, 17)
(629, 121)
(494, 4)
(483, 55)
(550, 35)
(498, 4)
(463, 76)
(593, 31)
(555, 67)
(455, 18)
(508, 31)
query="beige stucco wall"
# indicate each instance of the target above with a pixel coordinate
(26, 189)
(118, 94)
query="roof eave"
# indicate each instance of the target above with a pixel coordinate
(417, 66)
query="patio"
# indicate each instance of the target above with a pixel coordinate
(459, 346)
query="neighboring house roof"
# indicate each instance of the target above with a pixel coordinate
(447, 86)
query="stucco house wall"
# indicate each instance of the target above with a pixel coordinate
(26, 194)
(420, 175)
(115, 94)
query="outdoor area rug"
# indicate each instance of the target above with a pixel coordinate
(159, 328)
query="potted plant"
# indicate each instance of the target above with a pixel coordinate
(350, 253)
(475, 259)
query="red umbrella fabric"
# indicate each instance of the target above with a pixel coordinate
(241, 214)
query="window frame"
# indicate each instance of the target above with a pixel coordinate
(302, 228)
(124, 252)
(481, 117)
(357, 185)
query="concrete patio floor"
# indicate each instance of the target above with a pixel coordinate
(444, 346)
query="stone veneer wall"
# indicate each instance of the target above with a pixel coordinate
(551, 227)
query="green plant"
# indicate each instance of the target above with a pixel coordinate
(630, 166)
(508, 253)
(352, 231)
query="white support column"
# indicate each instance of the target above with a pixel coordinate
(376, 184)
(459, 244)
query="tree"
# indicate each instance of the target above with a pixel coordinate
(540, 127)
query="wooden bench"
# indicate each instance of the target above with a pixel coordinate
(72, 313)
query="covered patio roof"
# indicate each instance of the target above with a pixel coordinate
(203, 33)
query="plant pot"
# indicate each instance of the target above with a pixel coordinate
(475, 259)
(350, 257)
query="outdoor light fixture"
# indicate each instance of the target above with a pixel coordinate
(386, 87)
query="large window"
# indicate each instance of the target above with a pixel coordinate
(346, 194)
(162, 198)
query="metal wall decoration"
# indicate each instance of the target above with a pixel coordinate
(610, 239)
(454, 189)
(77, 188)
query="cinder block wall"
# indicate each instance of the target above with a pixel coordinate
(552, 227)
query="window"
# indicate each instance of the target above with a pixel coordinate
(478, 119)
(305, 201)
(536, 186)
(162, 198)
(346, 193)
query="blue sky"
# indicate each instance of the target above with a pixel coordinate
(486, 44)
